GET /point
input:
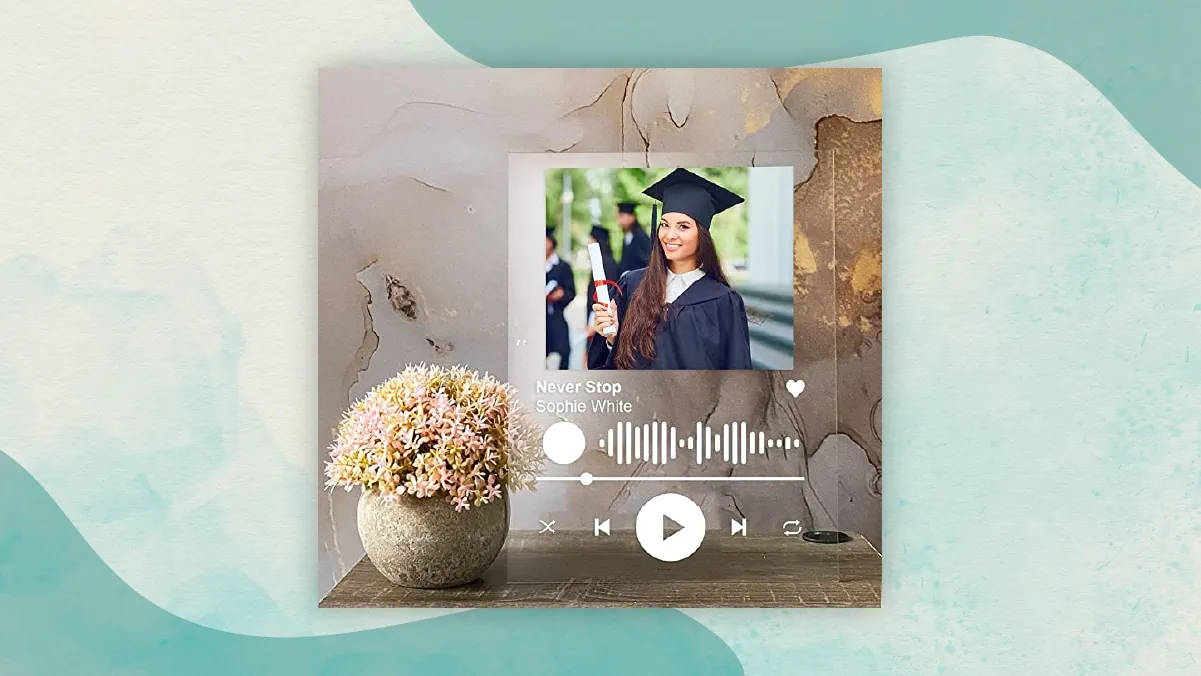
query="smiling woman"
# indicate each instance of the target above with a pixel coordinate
(682, 313)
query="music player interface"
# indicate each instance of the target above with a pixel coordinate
(677, 410)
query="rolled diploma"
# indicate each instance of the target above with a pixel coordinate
(598, 275)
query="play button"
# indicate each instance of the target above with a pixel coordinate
(670, 527)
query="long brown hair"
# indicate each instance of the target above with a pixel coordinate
(647, 308)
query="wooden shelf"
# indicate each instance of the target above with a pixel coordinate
(576, 569)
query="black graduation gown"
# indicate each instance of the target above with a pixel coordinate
(558, 335)
(637, 254)
(705, 330)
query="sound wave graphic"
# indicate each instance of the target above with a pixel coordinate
(657, 443)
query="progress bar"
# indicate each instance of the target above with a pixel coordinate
(587, 478)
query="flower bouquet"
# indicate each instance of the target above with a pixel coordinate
(421, 444)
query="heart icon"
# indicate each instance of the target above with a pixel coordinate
(795, 387)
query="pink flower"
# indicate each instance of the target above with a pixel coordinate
(408, 438)
(421, 486)
(491, 457)
(492, 491)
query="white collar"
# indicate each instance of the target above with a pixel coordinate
(678, 284)
(687, 277)
(552, 261)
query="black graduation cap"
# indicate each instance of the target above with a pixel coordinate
(626, 207)
(684, 192)
(600, 234)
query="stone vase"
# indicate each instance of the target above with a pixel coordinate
(425, 543)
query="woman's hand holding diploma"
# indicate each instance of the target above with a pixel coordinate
(603, 317)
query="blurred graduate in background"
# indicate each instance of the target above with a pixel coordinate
(679, 312)
(560, 291)
(636, 247)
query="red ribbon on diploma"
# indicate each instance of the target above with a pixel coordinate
(601, 282)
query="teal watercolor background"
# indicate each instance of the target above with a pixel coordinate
(62, 611)
(1142, 56)
(1043, 482)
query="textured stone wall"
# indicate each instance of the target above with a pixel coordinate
(413, 228)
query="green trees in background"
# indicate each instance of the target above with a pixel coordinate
(610, 186)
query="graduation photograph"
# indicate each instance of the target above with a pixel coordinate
(682, 269)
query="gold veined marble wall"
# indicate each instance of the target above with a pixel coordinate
(413, 228)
